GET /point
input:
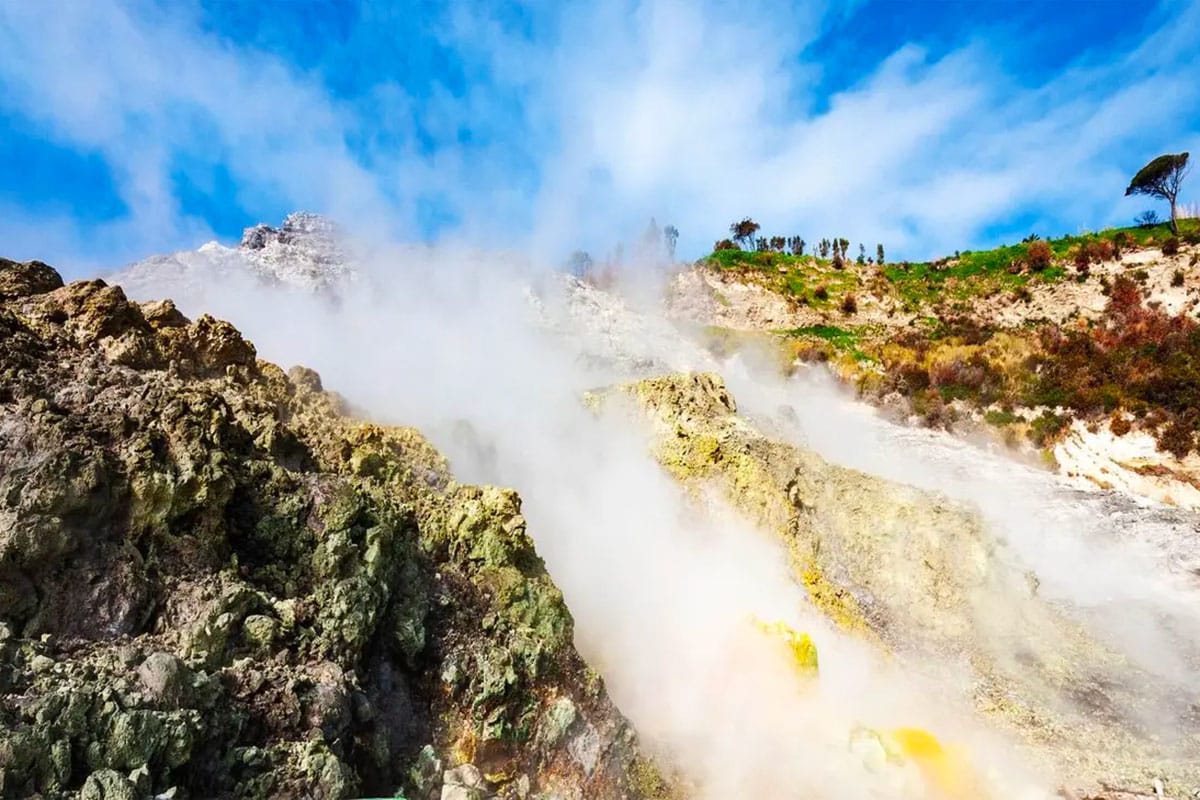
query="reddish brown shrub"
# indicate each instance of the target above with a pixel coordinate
(849, 304)
(1082, 259)
(1038, 255)
(1101, 250)
(821, 293)
(1170, 246)
(1177, 437)
(1119, 425)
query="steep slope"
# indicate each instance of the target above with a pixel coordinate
(927, 581)
(213, 583)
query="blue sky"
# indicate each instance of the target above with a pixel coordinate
(130, 128)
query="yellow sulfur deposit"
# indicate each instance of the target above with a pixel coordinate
(945, 769)
(804, 652)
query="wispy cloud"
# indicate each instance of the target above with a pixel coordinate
(572, 124)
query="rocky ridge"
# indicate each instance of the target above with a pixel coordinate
(306, 251)
(214, 583)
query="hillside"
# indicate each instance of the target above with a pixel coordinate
(1083, 348)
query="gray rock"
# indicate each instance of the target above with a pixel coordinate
(107, 784)
(463, 783)
(165, 678)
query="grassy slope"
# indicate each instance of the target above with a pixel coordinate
(932, 358)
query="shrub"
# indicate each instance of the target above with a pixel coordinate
(849, 304)
(1191, 237)
(1177, 278)
(1177, 437)
(1141, 276)
(1046, 428)
(1023, 294)
(1170, 246)
(1000, 417)
(1082, 259)
(725, 244)
(1101, 250)
(821, 293)
(1038, 255)
(1119, 425)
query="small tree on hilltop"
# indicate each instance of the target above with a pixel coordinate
(743, 232)
(761, 244)
(879, 254)
(1161, 178)
(580, 263)
(670, 237)
(862, 254)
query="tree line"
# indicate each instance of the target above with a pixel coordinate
(743, 235)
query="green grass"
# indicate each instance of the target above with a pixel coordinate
(838, 337)
(999, 418)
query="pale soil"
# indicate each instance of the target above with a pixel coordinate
(1130, 463)
(719, 298)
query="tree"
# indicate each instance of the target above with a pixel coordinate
(778, 243)
(862, 254)
(823, 248)
(1161, 178)
(845, 246)
(879, 254)
(580, 263)
(761, 244)
(670, 237)
(743, 232)
(1147, 218)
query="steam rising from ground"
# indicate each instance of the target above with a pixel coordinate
(662, 594)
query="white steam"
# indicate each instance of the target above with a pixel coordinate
(663, 594)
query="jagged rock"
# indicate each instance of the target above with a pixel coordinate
(463, 783)
(214, 584)
(166, 678)
(305, 252)
(31, 277)
(107, 784)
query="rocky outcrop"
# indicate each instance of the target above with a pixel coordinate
(213, 583)
(306, 252)
(923, 579)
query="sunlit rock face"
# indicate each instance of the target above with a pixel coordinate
(213, 583)
(307, 252)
